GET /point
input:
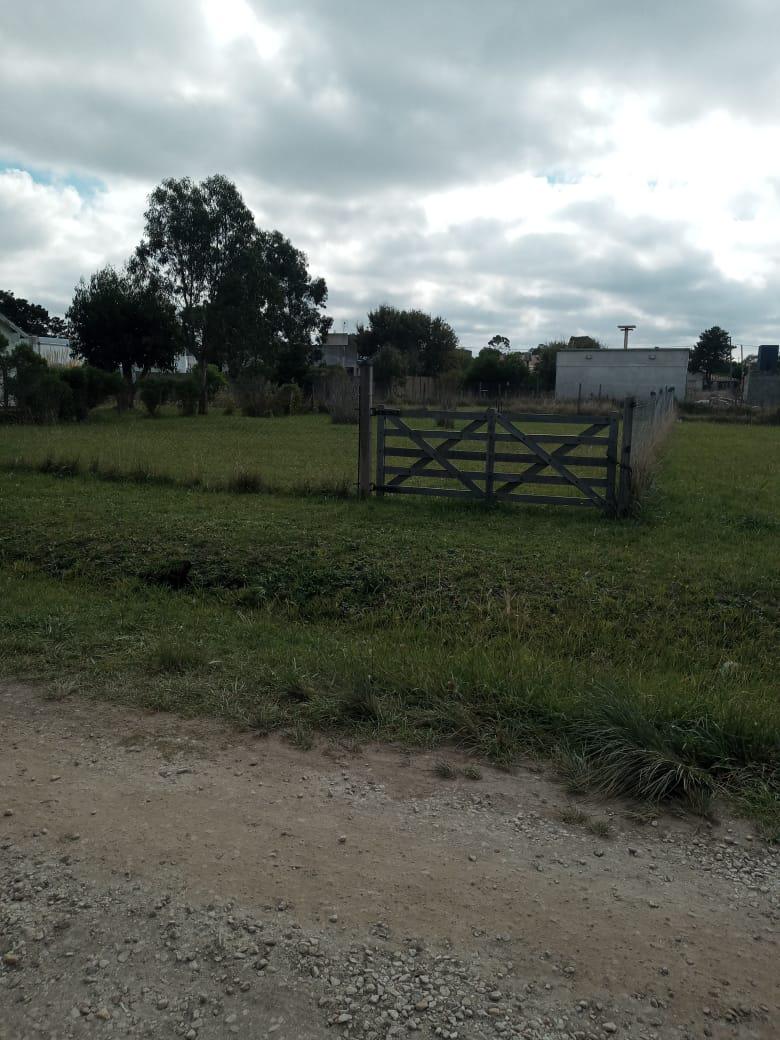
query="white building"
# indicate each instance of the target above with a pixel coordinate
(340, 349)
(55, 349)
(586, 374)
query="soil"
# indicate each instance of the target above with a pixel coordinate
(170, 877)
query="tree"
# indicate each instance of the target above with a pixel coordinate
(198, 240)
(584, 343)
(389, 367)
(497, 372)
(429, 345)
(59, 327)
(499, 343)
(123, 321)
(294, 322)
(31, 317)
(712, 352)
(544, 369)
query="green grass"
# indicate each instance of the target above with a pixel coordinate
(215, 452)
(641, 655)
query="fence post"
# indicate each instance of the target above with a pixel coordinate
(366, 370)
(624, 486)
(612, 445)
(490, 458)
(379, 481)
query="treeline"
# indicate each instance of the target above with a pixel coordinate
(207, 282)
(411, 343)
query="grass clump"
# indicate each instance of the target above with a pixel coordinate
(175, 658)
(600, 828)
(245, 482)
(572, 816)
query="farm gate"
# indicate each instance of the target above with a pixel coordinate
(567, 460)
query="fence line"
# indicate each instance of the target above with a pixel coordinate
(646, 422)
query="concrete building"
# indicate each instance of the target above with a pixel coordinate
(587, 374)
(340, 350)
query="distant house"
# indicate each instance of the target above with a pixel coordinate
(55, 349)
(340, 350)
(12, 332)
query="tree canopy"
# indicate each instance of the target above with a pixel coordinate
(428, 345)
(496, 371)
(244, 297)
(712, 352)
(197, 244)
(123, 321)
(31, 317)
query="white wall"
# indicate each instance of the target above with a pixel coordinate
(619, 373)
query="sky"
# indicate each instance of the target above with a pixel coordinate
(538, 170)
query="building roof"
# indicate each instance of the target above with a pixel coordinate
(12, 325)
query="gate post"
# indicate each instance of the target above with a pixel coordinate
(624, 487)
(366, 370)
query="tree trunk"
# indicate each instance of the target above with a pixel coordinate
(203, 403)
(127, 374)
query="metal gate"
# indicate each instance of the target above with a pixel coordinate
(492, 455)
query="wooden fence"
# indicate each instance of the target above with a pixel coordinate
(564, 459)
(498, 456)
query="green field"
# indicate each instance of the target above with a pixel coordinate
(641, 654)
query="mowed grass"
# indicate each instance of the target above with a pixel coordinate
(641, 655)
(216, 451)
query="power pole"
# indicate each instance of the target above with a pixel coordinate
(625, 329)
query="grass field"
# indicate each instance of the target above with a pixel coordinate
(641, 654)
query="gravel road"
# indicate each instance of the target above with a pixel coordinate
(170, 878)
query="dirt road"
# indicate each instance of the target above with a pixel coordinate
(161, 877)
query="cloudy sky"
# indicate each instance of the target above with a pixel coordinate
(538, 168)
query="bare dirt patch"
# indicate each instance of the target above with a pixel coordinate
(163, 877)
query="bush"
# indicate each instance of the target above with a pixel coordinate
(187, 391)
(340, 397)
(90, 387)
(288, 399)
(154, 392)
(254, 395)
(40, 394)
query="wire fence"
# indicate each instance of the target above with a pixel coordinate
(653, 418)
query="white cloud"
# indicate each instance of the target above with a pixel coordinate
(510, 175)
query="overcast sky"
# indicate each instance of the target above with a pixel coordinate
(537, 168)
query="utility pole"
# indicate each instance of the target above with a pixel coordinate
(625, 329)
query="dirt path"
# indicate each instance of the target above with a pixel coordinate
(169, 878)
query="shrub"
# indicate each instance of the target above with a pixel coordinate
(187, 392)
(254, 395)
(90, 387)
(288, 399)
(40, 394)
(154, 392)
(340, 398)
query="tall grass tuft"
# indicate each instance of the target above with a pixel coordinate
(245, 482)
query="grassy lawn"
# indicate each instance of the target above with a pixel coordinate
(642, 654)
(284, 454)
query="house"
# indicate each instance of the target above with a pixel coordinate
(340, 350)
(583, 374)
(55, 349)
(12, 332)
